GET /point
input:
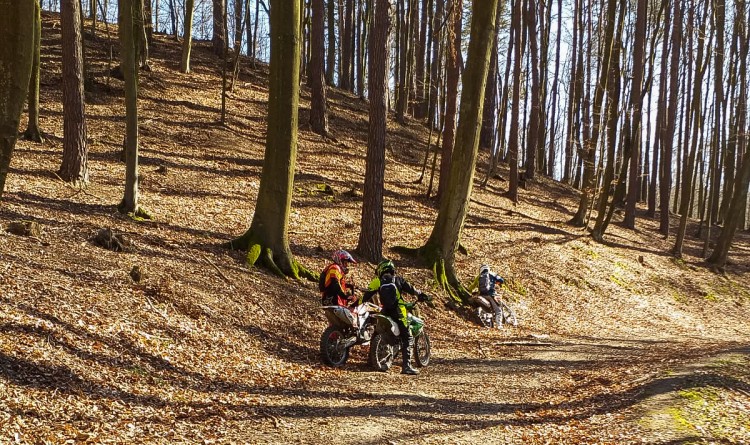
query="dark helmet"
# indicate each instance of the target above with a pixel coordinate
(385, 266)
(342, 258)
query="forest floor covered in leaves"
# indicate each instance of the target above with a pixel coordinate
(617, 342)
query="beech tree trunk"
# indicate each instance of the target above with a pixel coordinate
(16, 57)
(267, 239)
(590, 144)
(441, 247)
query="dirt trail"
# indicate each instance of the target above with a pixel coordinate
(573, 391)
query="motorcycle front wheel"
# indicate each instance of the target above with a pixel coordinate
(422, 349)
(332, 352)
(381, 353)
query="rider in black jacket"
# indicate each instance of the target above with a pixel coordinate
(390, 287)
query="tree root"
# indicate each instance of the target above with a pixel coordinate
(445, 277)
(281, 264)
(140, 213)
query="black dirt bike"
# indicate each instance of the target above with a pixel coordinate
(346, 328)
(386, 343)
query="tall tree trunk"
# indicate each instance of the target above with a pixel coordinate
(370, 244)
(267, 239)
(636, 106)
(16, 58)
(714, 184)
(129, 63)
(674, 86)
(74, 168)
(410, 54)
(533, 131)
(487, 134)
(688, 182)
(591, 143)
(452, 78)
(32, 132)
(237, 25)
(402, 90)
(187, 40)
(555, 79)
(318, 112)
(576, 94)
(346, 46)
(148, 21)
(436, 63)
(218, 35)
(612, 112)
(331, 60)
(513, 144)
(420, 108)
(441, 247)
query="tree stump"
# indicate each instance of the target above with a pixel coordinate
(25, 228)
(110, 240)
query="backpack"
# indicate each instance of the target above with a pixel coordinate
(388, 291)
(485, 282)
(322, 278)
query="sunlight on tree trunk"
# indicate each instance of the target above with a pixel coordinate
(187, 41)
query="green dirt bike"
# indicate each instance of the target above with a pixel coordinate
(386, 343)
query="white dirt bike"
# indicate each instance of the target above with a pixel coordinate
(346, 328)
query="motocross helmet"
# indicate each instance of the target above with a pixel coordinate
(385, 266)
(484, 269)
(342, 258)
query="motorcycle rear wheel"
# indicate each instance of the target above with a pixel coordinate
(422, 349)
(331, 351)
(486, 318)
(381, 353)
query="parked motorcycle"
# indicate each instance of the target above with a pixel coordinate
(386, 344)
(346, 328)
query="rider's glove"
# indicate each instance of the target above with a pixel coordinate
(423, 297)
(409, 306)
(500, 280)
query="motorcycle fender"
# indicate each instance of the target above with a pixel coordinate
(387, 326)
(340, 316)
(484, 302)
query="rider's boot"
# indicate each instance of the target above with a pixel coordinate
(406, 349)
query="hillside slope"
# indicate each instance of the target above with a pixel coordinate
(203, 349)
